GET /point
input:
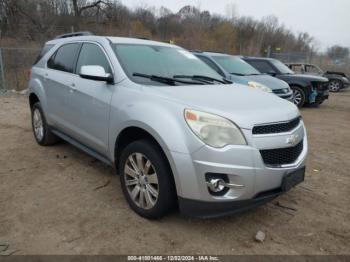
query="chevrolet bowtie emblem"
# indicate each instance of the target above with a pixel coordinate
(293, 140)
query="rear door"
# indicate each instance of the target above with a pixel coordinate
(90, 102)
(58, 81)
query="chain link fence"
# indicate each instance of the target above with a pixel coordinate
(15, 64)
(311, 58)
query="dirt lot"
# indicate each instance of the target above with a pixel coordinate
(58, 200)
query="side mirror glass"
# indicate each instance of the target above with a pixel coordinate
(95, 72)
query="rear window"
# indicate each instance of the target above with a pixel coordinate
(63, 59)
(43, 52)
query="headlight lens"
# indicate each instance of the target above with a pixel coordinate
(259, 86)
(214, 130)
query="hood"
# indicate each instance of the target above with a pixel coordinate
(306, 78)
(244, 106)
(269, 81)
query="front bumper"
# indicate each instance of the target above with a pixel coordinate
(243, 165)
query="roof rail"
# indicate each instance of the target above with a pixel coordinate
(83, 33)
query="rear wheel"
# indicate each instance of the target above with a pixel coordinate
(299, 97)
(42, 134)
(146, 179)
(335, 85)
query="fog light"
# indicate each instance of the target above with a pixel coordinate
(216, 185)
(219, 184)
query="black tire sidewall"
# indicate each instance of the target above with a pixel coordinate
(302, 92)
(167, 195)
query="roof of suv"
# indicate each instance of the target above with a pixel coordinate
(115, 40)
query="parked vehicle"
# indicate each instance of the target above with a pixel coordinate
(337, 80)
(237, 70)
(307, 89)
(175, 130)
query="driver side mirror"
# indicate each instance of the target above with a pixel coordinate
(96, 72)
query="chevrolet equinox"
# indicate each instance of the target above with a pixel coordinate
(177, 133)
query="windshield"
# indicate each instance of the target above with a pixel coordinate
(160, 61)
(235, 65)
(281, 67)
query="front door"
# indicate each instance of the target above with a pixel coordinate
(90, 101)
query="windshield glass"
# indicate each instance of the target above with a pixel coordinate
(281, 67)
(163, 61)
(235, 65)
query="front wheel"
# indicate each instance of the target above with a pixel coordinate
(146, 179)
(299, 97)
(335, 85)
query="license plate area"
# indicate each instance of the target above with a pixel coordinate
(292, 179)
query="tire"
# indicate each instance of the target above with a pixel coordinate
(335, 85)
(151, 190)
(42, 134)
(299, 96)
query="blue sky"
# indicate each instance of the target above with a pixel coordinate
(327, 20)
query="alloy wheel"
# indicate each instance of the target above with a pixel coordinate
(334, 86)
(297, 97)
(38, 124)
(141, 181)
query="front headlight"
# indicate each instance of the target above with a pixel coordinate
(259, 86)
(214, 130)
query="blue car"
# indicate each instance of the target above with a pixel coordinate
(235, 69)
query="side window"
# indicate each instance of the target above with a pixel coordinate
(43, 52)
(262, 66)
(297, 68)
(211, 64)
(311, 69)
(64, 58)
(92, 54)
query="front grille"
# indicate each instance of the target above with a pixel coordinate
(276, 128)
(282, 156)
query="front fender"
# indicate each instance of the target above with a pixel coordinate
(164, 121)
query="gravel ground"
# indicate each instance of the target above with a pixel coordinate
(58, 200)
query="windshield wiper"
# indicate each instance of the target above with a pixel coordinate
(206, 79)
(237, 74)
(165, 80)
(254, 74)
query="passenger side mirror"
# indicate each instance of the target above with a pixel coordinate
(272, 73)
(96, 72)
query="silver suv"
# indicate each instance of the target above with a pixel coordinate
(177, 133)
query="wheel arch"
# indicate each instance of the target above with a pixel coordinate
(133, 133)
